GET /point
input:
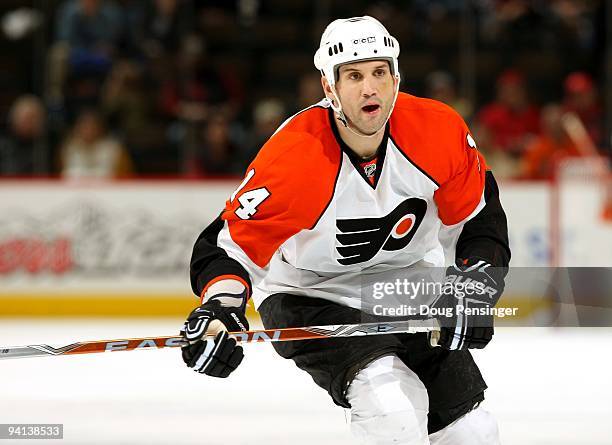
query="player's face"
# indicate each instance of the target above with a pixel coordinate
(366, 91)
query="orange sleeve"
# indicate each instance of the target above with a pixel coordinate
(461, 193)
(287, 188)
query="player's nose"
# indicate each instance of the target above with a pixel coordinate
(369, 86)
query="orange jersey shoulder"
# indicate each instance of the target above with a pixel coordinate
(290, 183)
(431, 134)
(302, 155)
(436, 139)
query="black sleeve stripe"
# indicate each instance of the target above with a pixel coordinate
(486, 235)
(209, 261)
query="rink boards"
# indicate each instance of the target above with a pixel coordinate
(104, 248)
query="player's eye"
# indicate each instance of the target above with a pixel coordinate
(354, 76)
(380, 72)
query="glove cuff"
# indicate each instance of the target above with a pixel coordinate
(225, 284)
(234, 318)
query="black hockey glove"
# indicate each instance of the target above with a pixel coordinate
(216, 357)
(471, 288)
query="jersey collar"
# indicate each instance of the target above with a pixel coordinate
(355, 159)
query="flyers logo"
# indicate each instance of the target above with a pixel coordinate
(362, 238)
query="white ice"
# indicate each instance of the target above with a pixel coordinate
(546, 387)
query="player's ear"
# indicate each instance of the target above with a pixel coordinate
(327, 88)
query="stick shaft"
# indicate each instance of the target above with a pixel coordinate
(255, 336)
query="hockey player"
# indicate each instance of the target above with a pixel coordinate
(365, 181)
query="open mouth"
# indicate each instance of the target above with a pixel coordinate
(370, 109)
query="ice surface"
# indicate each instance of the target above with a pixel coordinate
(546, 387)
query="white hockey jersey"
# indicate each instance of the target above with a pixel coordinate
(306, 219)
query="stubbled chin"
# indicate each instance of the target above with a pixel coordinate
(367, 123)
(371, 126)
(373, 121)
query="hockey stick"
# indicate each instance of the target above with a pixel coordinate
(263, 335)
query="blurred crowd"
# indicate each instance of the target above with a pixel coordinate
(522, 139)
(136, 87)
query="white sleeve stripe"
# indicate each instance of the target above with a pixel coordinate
(234, 251)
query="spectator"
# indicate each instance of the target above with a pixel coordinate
(195, 87)
(268, 115)
(23, 149)
(217, 154)
(507, 124)
(165, 25)
(509, 24)
(89, 152)
(545, 151)
(572, 25)
(309, 91)
(441, 86)
(219, 13)
(89, 34)
(581, 98)
(129, 107)
(93, 29)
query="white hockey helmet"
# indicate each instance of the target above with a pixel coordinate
(352, 40)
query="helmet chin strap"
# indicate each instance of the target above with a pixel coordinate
(342, 117)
